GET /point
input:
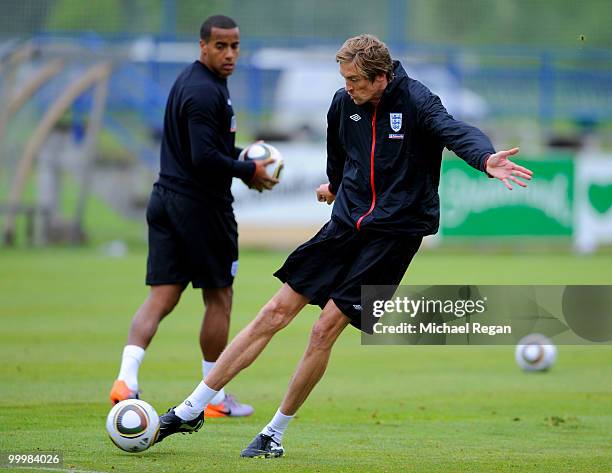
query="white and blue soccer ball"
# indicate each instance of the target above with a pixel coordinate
(132, 425)
(261, 150)
(535, 352)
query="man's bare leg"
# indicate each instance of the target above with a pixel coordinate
(215, 324)
(312, 366)
(309, 371)
(160, 302)
(251, 341)
(242, 351)
(213, 340)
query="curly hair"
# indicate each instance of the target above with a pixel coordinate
(369, 54)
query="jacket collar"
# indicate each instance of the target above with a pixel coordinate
(399, 76)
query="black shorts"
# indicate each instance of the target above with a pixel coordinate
(338, 260)
(190, 241)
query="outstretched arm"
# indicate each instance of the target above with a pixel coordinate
(469, 143)
(500, 167)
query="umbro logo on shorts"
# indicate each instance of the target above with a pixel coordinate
(355, 117)
(357, 306)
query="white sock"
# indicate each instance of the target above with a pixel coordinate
(130, 362)
(207, 366)
(191, 407)
(276, 427)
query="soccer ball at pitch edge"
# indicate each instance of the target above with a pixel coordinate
(132, 425)
(260, 150)
(535, 352)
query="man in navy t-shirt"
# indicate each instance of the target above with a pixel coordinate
(193, 234)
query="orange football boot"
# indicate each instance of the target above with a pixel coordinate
(120, 392)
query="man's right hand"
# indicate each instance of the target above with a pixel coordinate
(324, 194)
(261, 180)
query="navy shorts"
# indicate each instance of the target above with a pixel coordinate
(190, 241)
(338, 260)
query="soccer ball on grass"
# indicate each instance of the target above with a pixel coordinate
(132, 425)
(535, 352)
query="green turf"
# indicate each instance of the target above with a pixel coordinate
(65, 315)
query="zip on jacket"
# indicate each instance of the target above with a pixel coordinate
(372, 184)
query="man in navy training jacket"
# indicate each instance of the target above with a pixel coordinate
(385, 137)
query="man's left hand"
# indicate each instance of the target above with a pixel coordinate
(500, 167)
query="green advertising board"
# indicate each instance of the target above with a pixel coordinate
(473, 205)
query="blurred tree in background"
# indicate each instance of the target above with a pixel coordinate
(541, 23)
(105, 16)
(23, 17)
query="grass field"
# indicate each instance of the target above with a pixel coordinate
(65, 315)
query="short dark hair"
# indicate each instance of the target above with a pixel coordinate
(216, 21)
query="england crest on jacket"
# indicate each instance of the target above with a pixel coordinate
(396, 121)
